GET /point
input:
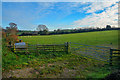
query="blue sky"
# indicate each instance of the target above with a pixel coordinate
(59, 15)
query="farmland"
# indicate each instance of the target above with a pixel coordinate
(54, 65)
(91, 38)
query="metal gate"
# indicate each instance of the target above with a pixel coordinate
(95, 52)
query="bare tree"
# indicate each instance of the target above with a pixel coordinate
(42, 28)
(12, 30)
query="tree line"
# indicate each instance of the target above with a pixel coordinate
(68, 31)
(43, 30)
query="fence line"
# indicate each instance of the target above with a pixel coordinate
(95, 52)
(50, 48)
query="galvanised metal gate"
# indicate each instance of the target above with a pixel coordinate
(95, 52)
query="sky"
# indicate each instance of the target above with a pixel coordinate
(60, 15)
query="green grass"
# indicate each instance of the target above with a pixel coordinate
(90, 38)
(99, 72)
(61, 61)
(81, 67)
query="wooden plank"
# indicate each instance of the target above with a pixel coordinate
(116, 63)
(115, 53)
(115, 49)
(116, 60)
(54, 51)
(50, 45)
(50, 48)
(115, 56)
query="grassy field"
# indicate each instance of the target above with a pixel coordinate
(90, 38)
(58, 65)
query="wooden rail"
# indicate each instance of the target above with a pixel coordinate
(114, 53)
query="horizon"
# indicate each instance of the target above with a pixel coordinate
(59, 15)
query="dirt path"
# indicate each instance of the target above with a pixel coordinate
(19, 73)
(35, 72)
(22, 73)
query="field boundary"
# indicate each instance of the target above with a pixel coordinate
(101, 53)
(48, 48)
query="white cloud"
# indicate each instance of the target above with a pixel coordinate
(95, 6)
(109, 16)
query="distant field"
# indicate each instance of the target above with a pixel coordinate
(90, 38)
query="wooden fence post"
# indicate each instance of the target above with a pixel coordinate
(53, 48)
(37, 49)
(111, 57)
(27, 47)
(67, 47)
